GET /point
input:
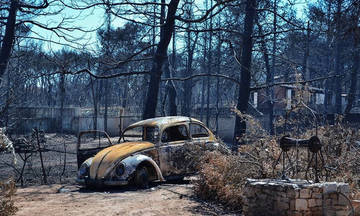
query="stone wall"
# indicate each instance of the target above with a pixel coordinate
(295, 197)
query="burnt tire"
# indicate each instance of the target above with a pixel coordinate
(142, 178)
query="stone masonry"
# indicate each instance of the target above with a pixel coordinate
(295, 198)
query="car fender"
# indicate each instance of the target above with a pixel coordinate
(132, 162)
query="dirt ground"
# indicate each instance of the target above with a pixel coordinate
(163, 199)
(62, 196)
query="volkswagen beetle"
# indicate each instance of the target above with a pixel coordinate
(149, 150)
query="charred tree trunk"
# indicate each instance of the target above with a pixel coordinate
(106, 103)
(95, 104)
(49, 92)
(218, 56)
(306, 71)
(171, 93)
(158, 60)
(188, 83)
(171, 88)
(244, 90)
(338, 67)
(203, 83)
(208, 109)
(354, 74)
(327, 99)
(8, 39)
(268, 77)
(125, 92)
(62, 100)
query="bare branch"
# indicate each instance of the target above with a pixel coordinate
(209, 30)
(119, 63)
(281, 16)
(293, 82)
(279, 32)
(207, 13)
(87, 71)
(202, 75)
(77, 7)
(251, 88)
(44, 5)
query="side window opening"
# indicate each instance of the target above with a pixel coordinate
(140, 133)
(198, 131)
(175, 133)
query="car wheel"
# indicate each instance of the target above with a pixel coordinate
(142, 178)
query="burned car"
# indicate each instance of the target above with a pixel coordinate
(148, 151)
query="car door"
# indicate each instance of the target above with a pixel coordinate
(171, 157)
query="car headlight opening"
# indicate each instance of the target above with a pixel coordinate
(84, 170)
(120, 169)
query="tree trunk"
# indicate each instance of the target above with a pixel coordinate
(338, 67)
(204, 69)
(62, 100)
(306, 71)
(208, 109)
(158, 60)
(327, 99)
(170, 92)
(188, 72)
(171, 88)
(106, 95)
(218, 55)
(353, 85)
(244, 90)
(8, 40)
(268, 78)
(95, 104)
(126, 92)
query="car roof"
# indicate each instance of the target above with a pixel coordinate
(164, 121)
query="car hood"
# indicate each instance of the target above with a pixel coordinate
(106, 158)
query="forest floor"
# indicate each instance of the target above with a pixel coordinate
(70, 199)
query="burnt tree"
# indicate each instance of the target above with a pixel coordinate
(158, 60)
(244, 90)
(10, 27)
(9, 37)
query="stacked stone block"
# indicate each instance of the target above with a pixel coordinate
(295, 197)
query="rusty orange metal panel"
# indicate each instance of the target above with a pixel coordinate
(107, 157)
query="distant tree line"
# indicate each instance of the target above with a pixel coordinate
(172, 57)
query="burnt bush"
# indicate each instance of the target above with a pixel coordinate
(223, 176)
(7, 191)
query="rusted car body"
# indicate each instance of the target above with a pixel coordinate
(149, 150)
